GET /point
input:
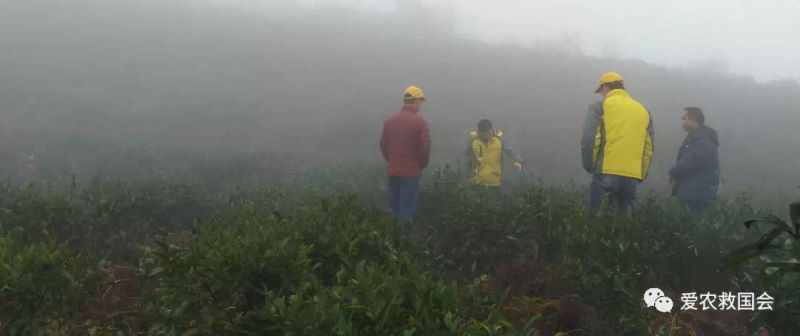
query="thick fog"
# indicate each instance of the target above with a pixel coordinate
(751, 38)
(746, 37)
(94, 86)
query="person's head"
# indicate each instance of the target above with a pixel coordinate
(413, 96)
(485, 130)
(610, 81)
(608, 87)
(693, 119)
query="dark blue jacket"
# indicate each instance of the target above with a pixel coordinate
(696, 174)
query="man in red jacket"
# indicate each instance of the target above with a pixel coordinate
(406, 146)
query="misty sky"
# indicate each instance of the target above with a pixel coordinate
(758, 38)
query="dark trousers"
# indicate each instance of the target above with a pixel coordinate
(698, 208)
(492, 194)
(403, 195)
(621, 192)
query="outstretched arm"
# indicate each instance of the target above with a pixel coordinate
(511, 152)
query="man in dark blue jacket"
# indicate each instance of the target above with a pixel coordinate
(695, 176)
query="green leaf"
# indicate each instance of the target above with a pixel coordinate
(766, 240)
(746, 253)
(155, 271)
(794, 211)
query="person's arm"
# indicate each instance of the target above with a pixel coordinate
(424, 144)
(591, 132)
(472, 160)
(694, 158)
(649, 142)
(384, 143)
(512, 153)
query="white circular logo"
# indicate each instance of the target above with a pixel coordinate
(664, 304)
(651, 295)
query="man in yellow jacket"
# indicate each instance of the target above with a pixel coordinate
(485, 152)
(617, 144)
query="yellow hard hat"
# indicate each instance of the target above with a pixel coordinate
(609, 77)
(413, 92)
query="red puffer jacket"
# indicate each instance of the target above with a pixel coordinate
(406, 143)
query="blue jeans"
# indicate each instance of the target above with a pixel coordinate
(621, 192)
(403, 197)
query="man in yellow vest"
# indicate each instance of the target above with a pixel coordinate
(617, 144)
(485, 152)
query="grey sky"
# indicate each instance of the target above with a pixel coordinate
(752, 37)
(758, 38)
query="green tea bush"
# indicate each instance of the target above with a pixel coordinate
(41, 285)
(325, 266)
(370, 299)
(611, 259)
(469, 229)
(776, 255)
(303, 260)
(111, 219)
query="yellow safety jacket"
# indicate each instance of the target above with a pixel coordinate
(618, 137)
(486, 158)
